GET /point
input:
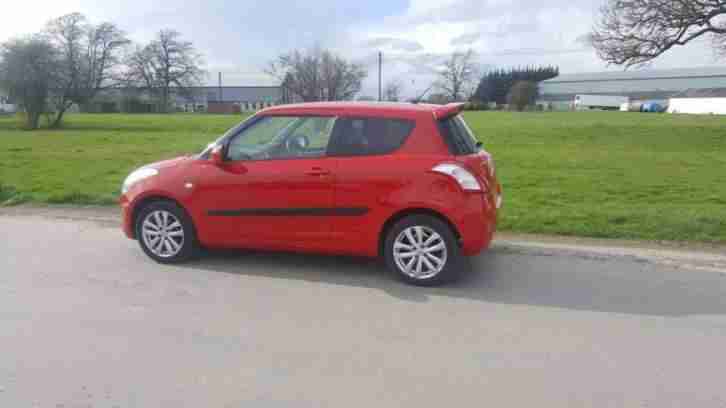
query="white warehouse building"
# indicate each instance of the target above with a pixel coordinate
(638, 85)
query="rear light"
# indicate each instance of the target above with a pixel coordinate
(466, 180)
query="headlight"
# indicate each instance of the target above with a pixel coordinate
(466, 180)
(136, 176)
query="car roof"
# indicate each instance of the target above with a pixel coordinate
(402, 109)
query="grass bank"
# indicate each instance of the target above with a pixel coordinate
(87, 160)
(597, 174)
(610, 174)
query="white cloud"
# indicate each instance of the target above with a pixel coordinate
(24, 18)
(239, 38)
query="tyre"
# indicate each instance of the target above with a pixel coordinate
(422, 250)
(166, 233)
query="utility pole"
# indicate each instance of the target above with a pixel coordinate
(220, 86)
(380, 69)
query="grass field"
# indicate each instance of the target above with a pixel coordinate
(599, 174)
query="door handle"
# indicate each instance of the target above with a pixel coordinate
(317, 171)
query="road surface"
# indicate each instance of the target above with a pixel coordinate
(86, 320)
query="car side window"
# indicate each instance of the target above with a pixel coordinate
(282, 137)
(369, 136)
(458, 136)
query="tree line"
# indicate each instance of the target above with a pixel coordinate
(516, 87)
(72, 59)
(497, 84)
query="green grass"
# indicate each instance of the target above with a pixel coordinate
(87, 160)
(610, 174)
(598, 174)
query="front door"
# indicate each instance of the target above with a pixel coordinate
(275, 188)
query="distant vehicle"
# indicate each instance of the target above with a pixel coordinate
(407, 182)
(7, 108)
(652, 107)
(606, 102)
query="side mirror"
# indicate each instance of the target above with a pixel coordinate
(216, 155)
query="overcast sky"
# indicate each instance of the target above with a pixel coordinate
(240, 37)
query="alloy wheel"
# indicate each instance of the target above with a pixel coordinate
(420, 252)
(163, 233)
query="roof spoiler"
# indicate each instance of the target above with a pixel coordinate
(448, 110)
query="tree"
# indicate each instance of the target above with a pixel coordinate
(165, 66)
(456, 78)
(438, 99)
(522, 94)
(496, 84)
(28, 68)
(318, 75)
(89, 57)
(634, 32)
(392, 91)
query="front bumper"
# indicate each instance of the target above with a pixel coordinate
(127, 221)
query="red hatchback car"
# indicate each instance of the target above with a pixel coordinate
(408, 182)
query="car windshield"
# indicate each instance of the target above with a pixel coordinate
(204, 154)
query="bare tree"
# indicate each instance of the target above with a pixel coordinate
(318, 75)
(522, 94)
(458, 76)
(392, 91)
(89, 60)
(634, 32)
(28, 68)
(165, 66)
(423, 94)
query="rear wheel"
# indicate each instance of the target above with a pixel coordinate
(166, 233)
(422, 250)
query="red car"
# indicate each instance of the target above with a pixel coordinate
(407, 182)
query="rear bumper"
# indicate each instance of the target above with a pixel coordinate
(477, 226)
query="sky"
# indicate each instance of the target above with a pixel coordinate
(239, 38)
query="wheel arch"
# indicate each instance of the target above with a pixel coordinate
(148, 200)
(393, 219)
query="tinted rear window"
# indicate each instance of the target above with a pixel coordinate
(369, 136)
(458, 136)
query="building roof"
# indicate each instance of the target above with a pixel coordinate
(241, 93)
(645, 74)
(701, 93)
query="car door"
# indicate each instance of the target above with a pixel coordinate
(275, 187)
(367, 177)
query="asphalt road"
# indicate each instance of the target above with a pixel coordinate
(87, 320)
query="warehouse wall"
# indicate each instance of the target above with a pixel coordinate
(698, 105)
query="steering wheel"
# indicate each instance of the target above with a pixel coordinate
(297, 143)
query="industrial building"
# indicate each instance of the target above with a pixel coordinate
(214, 99)
(639, 85)
(699, 101)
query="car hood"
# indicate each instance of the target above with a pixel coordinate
(168, 163)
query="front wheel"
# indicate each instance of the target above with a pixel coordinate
(166, 233)
(422, 250)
